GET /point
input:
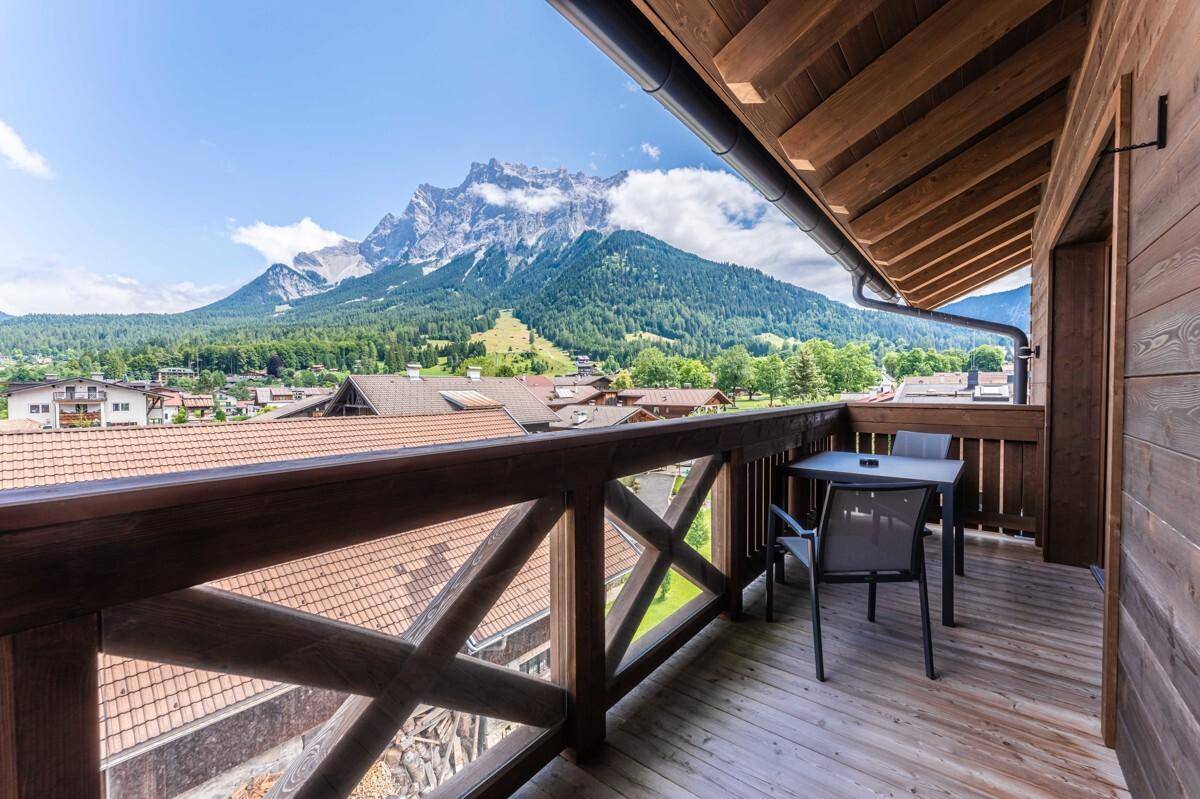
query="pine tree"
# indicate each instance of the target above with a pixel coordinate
(804, 380)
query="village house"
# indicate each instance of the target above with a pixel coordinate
(583, 417)
(166, 729)
(675, 403)
(55, 403)
(410, 393)
(952, 387)
(271, 396)
(164, 374)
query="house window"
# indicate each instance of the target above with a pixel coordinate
(538, 664)
(120, 406)
(39, 408)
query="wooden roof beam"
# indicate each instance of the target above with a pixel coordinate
(1013, 180)
(1031, 130)
(781, 41)
(911, 279)
(965, 284)
(1022, 240)
(946, 40)
(1023, 206)
(1033, 69)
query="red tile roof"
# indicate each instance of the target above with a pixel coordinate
(675, 397)
(67, 456)
(381, 584)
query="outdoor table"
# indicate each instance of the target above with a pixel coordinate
(844, 467)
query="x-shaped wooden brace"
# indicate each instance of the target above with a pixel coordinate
(362, 728)
(665, 547)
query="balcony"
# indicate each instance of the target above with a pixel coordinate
(71, 396)
(710, 701)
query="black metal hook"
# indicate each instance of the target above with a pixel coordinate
(1158, 143)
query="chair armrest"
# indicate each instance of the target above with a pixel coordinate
(795, 526)
(806, 552)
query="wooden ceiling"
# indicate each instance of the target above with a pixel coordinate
(925, 127)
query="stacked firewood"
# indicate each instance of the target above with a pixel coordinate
(432, 746)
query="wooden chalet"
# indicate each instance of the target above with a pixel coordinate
(930, 146)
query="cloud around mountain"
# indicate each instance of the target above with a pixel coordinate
(531, 200)
(719, 216)
(279, 244)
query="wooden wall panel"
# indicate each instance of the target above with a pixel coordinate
(1159, 631)
(1154, 41)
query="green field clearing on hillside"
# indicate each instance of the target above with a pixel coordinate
(653, 338)
(776, 340)
(510, 336)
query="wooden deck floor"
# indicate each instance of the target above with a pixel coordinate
(738, 712)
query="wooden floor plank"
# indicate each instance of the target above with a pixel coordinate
(738, 712)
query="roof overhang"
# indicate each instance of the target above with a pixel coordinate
(923, 137)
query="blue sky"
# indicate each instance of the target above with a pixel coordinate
(139, 137)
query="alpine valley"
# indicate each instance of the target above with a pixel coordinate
(534, 240)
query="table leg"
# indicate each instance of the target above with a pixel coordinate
(779, 496)
(949, 522)
(959, 542)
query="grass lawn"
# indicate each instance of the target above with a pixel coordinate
(511, 336)
(680, 592)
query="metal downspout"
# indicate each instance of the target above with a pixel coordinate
(629, 39)
(1021, 351)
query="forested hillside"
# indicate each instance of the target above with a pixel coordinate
(607, 295)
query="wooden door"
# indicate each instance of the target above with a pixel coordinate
(1077, 405)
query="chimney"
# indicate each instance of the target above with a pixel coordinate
(579, 417)
(97, 375)
(414, 371)
(473, 372)
(972, 378)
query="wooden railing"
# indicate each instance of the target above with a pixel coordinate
(119, 566)
(1002, 482)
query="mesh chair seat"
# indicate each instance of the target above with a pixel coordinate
(868, 533)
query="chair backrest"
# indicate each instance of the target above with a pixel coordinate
(935, 446)
(872, 527)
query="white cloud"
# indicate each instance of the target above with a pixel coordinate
(20, 157)
(35, 285)
(531, 200)
(279, 244)
(1009, 281)
(720, 217)
(649, 149)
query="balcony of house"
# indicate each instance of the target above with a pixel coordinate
(75, 397)
(709, 700)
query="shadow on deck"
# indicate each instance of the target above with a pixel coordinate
(737, 712)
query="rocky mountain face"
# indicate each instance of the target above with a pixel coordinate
(279, 284)
(1007, 307)
(521, 209)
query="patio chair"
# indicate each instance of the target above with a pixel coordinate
(868, 533)
(908, 444)
(934, 446)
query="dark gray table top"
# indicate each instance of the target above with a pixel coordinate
(845, 466)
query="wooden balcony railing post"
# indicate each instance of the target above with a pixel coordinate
(729, 529)
(577, 617)
(49, 711)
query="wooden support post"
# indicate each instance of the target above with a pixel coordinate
(49, 711)
(577, 617)
(729, 529)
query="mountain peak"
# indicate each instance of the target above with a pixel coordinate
(519, 207)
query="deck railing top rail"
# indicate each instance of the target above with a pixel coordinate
(110, 567)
